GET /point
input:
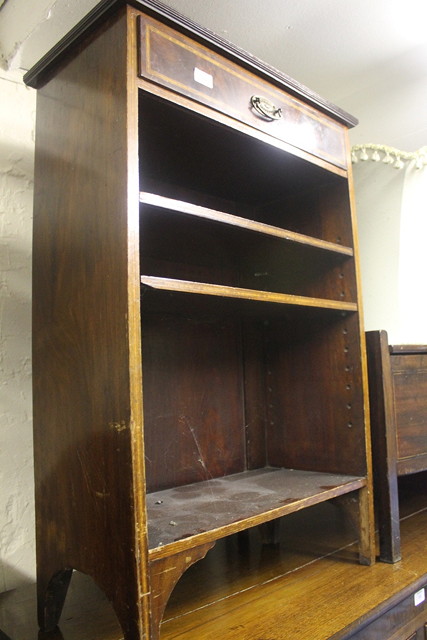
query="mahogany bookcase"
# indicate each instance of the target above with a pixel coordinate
(199, 357)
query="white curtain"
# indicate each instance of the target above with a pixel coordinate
(391, 206)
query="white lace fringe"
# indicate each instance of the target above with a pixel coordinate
(389, 155)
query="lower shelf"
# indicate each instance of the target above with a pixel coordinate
(299, 589)
(310, 602)
(189, 515)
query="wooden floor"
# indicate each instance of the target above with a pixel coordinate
(311, 586)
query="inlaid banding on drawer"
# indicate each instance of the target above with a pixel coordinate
(174, 61)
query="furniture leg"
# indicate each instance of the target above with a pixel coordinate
(51, 599)
(164, 575)
(356, 506)
(384, 448)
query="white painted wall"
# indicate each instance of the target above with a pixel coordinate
(413, 259)
(389, 103)
(17, 110)
(392, 224)
(378, 189)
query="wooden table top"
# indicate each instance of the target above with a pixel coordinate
(309, 586)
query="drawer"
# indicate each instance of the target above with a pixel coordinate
(175, 61)
(404, 621)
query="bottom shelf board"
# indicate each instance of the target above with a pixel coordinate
(293, 590)
(329, 598)
(196, 513)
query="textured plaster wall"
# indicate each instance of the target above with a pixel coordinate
(17, 111)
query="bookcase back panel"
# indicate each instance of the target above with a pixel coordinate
(315, 404)
(193, 399)
(224, 392)
(322, 211)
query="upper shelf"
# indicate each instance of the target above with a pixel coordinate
(180, 206)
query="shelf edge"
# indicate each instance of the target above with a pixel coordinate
(202, 288)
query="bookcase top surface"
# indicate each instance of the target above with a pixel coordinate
(36, 75)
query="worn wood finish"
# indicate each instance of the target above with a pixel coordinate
(412, 465)
(398, 388)
(356, 507)
(193, 422)
(310, 603)
(409, 373)
(53, 600)
(178, 246)
(196, 304)
(310, 589)
(185, 516)
(367, 532)
(318, 361)
(85, 417)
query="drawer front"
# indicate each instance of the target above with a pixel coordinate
(405, 621)
(174, 61)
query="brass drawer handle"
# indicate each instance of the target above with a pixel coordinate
(265, 108)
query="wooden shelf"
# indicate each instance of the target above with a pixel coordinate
(238, 585)
(184, 517)
(311, 602)
(171, 204)
(202, 288)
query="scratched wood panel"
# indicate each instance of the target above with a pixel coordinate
(193, 398)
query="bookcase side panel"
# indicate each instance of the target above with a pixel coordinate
(82, 400)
